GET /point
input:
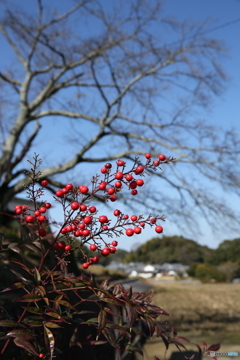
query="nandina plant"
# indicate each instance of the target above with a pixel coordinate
(47, 311)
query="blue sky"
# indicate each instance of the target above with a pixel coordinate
(225, 15)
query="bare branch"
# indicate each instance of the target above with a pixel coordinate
(63, 113)
(13, 45)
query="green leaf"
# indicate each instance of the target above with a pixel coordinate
(113, 301)
(26, 345)
(53, 314)
(102, 319)
(33, 248)
(34, 310)
(131, 348)
(109, 335)
(51, 324)
(37, 276)
(20, 333)
(49, 340)
(14, 247)
(9, 323)
(66, 304)
(17, 285)
(33, 323)
(30, 298)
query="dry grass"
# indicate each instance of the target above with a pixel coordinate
(201, 306)
(203, 312)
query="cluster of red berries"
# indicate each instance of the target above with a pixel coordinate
(85, 223)
(62, 245)
(37, 215)
(105, 252)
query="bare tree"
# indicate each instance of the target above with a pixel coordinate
(136, 91)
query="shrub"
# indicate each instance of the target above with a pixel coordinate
(48, 311)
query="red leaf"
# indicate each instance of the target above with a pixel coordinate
(26, 345)
(214, 347)
(8, 323)
(102, 319)
(30, 298)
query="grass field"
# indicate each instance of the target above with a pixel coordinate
(200, 312)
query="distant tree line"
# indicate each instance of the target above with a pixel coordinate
(221, 264)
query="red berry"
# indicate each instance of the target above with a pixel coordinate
(25, 208)
(83, 207)
(17, 207)
(55, 246)
(104, 170)
(159, 229)
(105, 251)
(108, 165)
(134, 192)
(133, 184)
(156, 163)
(142, 224)
(30, 218)
(44, 183)
(113, 198)
(75, 205)
(114, 243)
(37, 213)
(73, 227)
(148, 156)
(68, 247)
(139, 169)
(134, 217)
(18, 211)
(129, 177)
(162, 157)
(117, 212)
(77, 233)
(61, 244)
(137, 230)
(103, 219)
(153, 221)
(93, 247)
(41, 218)
(121, 163)
(64, 190)
(112, 249)
(42, 232)
(69, 228)
(105, 227)
(118, 184)
(102, 185)
(140, 182)
(92, 209)
(87, 220)
(48, 205)
(41, 356)
(83, 189)
(42, 209)
(96, 259)
(85, 265)
(69, 187)
(119, 175)
(81, 226)
(129, 232)
(125, 217)
(111, 191)
(85, 232)
(59, 193)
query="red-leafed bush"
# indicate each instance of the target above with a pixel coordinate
(48, 310)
